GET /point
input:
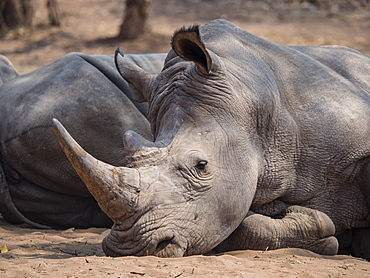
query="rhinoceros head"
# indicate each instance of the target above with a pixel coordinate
(188, 190)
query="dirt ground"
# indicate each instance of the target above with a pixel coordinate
(77, 253)
(89, 26)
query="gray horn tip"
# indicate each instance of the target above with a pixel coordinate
(55, 122)
(68, 144)
(58, 128)
(119, 52)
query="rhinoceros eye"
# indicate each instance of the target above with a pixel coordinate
(201, 165)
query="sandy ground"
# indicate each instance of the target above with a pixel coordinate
(89, 26)
(77, 253)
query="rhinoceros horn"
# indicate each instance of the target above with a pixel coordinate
(138, 79)
(116, 189)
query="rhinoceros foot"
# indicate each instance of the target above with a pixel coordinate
(300, 228)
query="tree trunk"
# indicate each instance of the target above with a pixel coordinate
(15, 13)
(3, 25)
(54, 12)
(28, 12)
(134, 21)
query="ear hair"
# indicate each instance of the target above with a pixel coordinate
(187, 43)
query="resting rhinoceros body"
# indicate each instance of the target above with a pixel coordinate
(89, 95)
(256, 145)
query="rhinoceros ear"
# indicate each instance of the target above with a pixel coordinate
(188, 45)
(137, 78)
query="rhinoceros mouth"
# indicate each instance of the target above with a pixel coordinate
(160, 243)
(169, 248)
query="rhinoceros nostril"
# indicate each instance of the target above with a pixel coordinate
(169, 247)
(162, 245)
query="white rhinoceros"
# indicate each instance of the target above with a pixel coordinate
(256, 145)
(38, 185)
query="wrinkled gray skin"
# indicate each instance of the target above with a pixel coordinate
(256, 145)
(89, 95)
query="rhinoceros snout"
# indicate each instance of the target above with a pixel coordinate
(163, 244)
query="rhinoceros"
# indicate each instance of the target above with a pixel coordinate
(256, 145)
(38, 185)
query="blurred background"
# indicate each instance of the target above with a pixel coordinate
(36, 32)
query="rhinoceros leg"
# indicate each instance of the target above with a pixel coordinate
(8, 208)
(360, 246)
(56, 210)
(299, 228)
(24, 202)
(355, 242)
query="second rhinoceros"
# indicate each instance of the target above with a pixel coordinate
(256, 145)
(38, 185)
